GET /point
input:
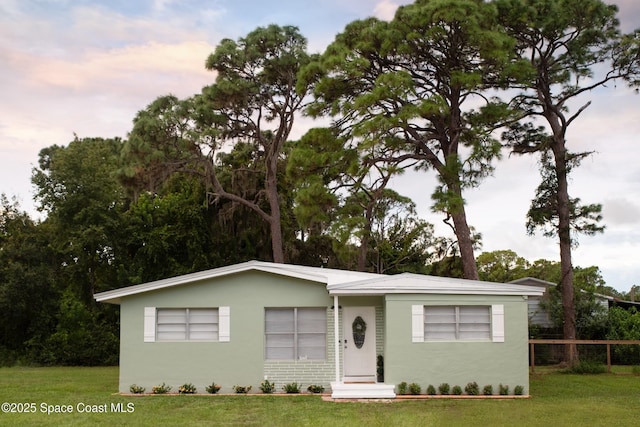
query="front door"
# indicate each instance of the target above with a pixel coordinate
(359, 340)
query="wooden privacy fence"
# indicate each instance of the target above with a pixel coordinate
(608, 343)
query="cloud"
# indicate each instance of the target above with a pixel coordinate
(385, 10)
(621, 211)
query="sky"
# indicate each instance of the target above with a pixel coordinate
(86, 67)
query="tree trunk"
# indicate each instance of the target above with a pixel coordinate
(275, 223)
(465, 244)
(566, 267)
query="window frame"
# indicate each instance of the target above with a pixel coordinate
(455, 328)
(188, 321)
(297, 334)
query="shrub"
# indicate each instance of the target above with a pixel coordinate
(518, 390)
(242, 389)
(187, 388)
(136, 389)
(487, 390)
(315, 388)
(267, 387)
(457, 390)
(504, 390)
(444, 388)
(587, 367)
(402, 387)
(213, 388)
(414, 388)
(291, 388)
(472, 389)
(161, 389)
(431, 390)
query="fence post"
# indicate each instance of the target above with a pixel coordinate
(533, 358)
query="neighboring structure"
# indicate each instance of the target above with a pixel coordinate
(538, 313)
(241, 324)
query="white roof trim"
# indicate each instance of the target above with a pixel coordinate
(536, 281)
(408, 283)
(338, 282)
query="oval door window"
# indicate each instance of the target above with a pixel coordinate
(359, 327)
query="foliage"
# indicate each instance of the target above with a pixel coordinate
(444, 388)
(213, 388)
(624, 325)
(136, 389)
(161, 389)
(315, 388)
(415, 389)
(187, 388)
(573, 47)
(267, 386)
(431, 390)
(242, 389)
(487, 390)
(472, 389)
(407, 92)
(402, 387)
(28, 291)
(587, 367)
(518, 390)
(502, 266)
(456, 390)
(292, 388)
(590, 312)
(503, 390)
(380, 367)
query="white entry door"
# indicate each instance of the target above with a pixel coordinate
(359, 341)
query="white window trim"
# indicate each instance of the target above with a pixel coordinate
(224, 325)
(496, 317)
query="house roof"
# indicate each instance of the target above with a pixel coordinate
(532, 281)
(338, 282)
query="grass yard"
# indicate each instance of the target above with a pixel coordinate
(557, 399)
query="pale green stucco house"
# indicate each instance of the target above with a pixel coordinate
(241, 324)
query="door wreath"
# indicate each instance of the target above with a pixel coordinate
(359, 327)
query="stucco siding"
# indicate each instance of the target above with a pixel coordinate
(456, 362)
(237, 362)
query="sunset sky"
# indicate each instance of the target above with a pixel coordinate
(86, 67)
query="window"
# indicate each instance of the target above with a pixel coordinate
(186, 324)
(295, 333)
(458, 323)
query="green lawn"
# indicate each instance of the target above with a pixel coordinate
(557, 400)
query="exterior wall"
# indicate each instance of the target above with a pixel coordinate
(537, 314)
(237, 362)
(456, 362)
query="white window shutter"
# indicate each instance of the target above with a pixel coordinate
(149, 324)
(497, 322)
(224, 324)
(417, 323)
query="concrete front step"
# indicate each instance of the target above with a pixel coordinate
(341, 390)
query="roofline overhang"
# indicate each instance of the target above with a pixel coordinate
(115, 296)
